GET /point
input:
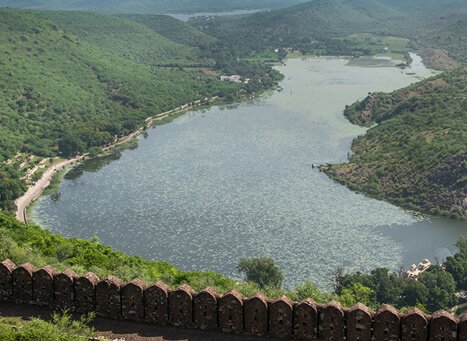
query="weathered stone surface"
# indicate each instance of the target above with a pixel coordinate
(22, 283)
(181, 307)
(281, 317)
(133, 300)
(108, 300)
(230, 312)
(85, 293)
(463, 328)
(386, 324)
(6, 280)
(64, 290)
(358, 323)
(156, 304)
(43, 285)
(306, 320)
(205, 309)
(255, 313)
(443, 327)
(331, 322)
(414, 326)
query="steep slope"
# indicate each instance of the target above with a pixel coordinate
(451, 38)
(125, 38)
(58, 91)
(150, 6)
(53, 81)
(417, 156)
(171, 28)
(30, 243)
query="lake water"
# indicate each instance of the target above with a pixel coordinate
(186, 17)
(232, 182)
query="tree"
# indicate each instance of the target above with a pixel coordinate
(413, 293)
(70, 144)
(462, 242)
(262, 271)
(441, 289)
(457, 267)
(357, 293)
(388, 286)
(308, 289)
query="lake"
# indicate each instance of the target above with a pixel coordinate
(217, 185)
(186, 17)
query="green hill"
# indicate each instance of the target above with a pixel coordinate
(451, 38)
(150, 6)
(324, 26)
(309, 27)
(79, 91)
(173, 29)
(126, 38)
(416, 156)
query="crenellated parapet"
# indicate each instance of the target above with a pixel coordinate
(230, 313)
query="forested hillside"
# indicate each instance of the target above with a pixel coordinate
(126, 38)
(172, 29)
(151, 6)
(451, 38)
(326, 26)
(416, 156)
(72, 81)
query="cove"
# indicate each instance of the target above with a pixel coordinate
(231, 182)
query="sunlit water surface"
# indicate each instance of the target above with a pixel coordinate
(215, 186)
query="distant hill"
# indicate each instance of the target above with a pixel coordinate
(416, 156)
(451, 38)
(126, 38)
(322, 26)
(150, 6)
(172, 29)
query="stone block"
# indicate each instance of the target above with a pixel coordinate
(64, 290)
(386, 324)
(230, 312)
(281, 318)
(181, 307)
(205, 309)
(443, 327)
(22, 283)
(43, 285)
(108, 299)
(6, 280)
(414, 326)
(156, 304)
(306, 320)
(358, 323)
(331, 322)
(133, 300)
(255, 312)
(85, 293)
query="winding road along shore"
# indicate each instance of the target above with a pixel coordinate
(35, 191)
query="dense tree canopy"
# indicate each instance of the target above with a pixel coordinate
(262, 271)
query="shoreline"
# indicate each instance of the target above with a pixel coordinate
(35, 191)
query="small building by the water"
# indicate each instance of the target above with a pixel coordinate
(416, 271)
(233, 79)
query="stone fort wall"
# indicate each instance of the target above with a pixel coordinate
(230, 312)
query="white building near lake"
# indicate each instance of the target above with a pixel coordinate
(233, 79)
